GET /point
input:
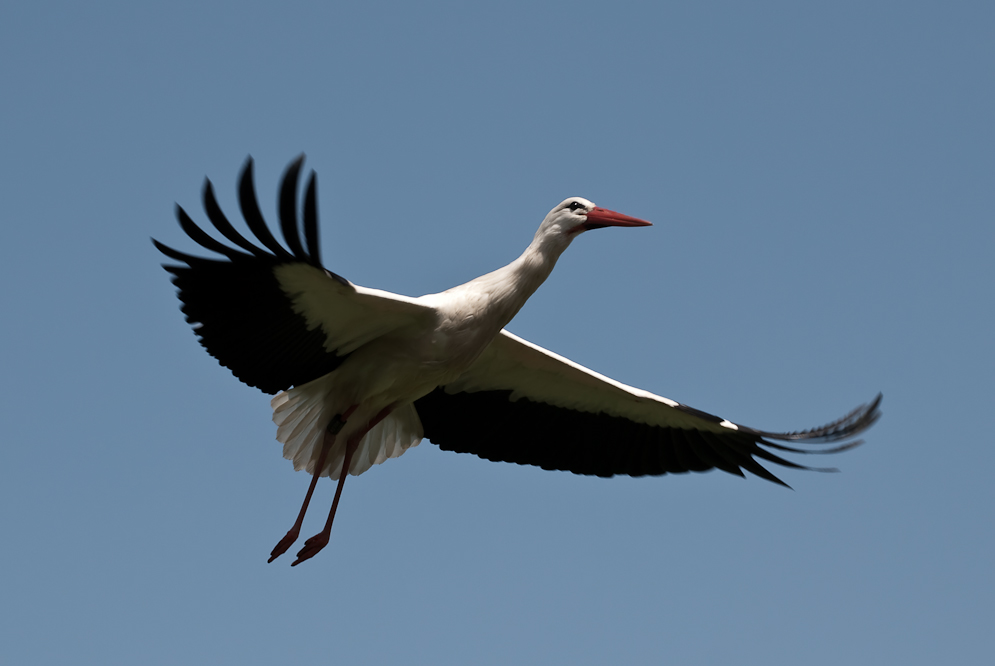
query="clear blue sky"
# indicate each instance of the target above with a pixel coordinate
(822, 179)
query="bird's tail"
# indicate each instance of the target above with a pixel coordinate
(302, 415)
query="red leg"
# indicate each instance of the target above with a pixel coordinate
(326, 445)
(313, 545)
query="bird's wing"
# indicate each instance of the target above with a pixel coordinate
(273, 315)
(521, 403)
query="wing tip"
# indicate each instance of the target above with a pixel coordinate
(855, 422)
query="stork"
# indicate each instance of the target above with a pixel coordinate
(362, 375)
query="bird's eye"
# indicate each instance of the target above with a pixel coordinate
(576, 205)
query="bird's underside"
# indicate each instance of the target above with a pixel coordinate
(283, 323)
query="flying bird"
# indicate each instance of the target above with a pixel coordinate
(362, 375)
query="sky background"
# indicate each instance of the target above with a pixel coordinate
(822, 181)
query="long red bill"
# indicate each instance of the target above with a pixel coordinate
(602, 217)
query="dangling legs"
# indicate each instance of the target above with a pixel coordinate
(334, 427)
(320, 540)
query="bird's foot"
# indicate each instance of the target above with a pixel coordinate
(285, 543)
(311, 547)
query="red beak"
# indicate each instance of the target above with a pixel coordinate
(602, 217)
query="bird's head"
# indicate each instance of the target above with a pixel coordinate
(576, 215)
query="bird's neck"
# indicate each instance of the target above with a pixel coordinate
(512, 285)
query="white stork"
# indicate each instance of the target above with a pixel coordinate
(362, 375)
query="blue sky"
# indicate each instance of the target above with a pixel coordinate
(821, 181)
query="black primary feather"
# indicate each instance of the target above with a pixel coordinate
(491, 425)
(250, 211)
(236, 306)
(288, 208)
(311, 220)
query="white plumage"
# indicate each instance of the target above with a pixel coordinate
(301, 415)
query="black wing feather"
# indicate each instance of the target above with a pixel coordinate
(176, 254)
(311, 220)
(222, 224)
(201, 237)
(491, 425)
(288, 208)
(254, 218)
(859, 419)
(238, 310)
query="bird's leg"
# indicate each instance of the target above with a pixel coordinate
(334, 427)
(320, 540)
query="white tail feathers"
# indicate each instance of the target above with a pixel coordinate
(388, 439)
(301, 417)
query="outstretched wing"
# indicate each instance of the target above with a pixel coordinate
(273, 315)
(521, 403)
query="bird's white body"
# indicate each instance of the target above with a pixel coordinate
(405, 351)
